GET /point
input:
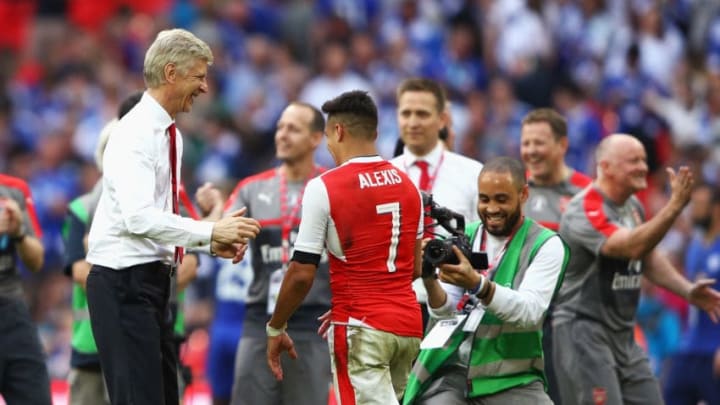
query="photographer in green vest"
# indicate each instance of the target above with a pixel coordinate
(486, 344)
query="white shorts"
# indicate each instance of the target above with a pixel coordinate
(370, 366)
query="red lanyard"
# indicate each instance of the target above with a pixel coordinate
(499, 254)
(288, 217)
(431, 181)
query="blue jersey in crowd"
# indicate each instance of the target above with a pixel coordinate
(702, 261)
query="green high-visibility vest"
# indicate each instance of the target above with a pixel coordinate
(503, 355)
(83, 340)
(82, 337)
(179, 326)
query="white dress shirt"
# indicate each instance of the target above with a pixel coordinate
(134, 223)
(454, 186)
(455, 181)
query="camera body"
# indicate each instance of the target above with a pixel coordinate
(439, 251)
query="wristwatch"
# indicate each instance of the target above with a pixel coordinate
(212, 253)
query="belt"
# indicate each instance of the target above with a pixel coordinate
(168, 269)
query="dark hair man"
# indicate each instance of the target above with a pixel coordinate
(494, 353)
(274, 198)
(368, 214)
(551, 185)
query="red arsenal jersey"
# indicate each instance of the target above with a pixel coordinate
(368, 215)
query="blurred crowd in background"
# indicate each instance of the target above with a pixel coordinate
(649, 68)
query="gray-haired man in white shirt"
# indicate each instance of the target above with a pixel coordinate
(137, 237)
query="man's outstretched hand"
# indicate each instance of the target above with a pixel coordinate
(276, 345)
(706, 298)
(324, 323)
(234, 251)
(235, 228)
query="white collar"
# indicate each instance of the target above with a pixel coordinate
(364, 159)
(433, 157)
(155, 111)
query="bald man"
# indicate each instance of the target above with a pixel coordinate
(596, 359)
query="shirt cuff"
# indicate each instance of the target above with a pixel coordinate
(200, 250)
(200, 234)
(443, 311)
(503, 298)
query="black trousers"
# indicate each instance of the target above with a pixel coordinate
(128, 313)
(547, 346)
(23, 374)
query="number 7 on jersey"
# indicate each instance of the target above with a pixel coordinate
(392, 208)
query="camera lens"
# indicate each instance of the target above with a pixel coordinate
(436, 251)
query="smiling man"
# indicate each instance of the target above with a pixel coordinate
(596, 358)
(552, 183)
(274, 198)
(137, 236)
(543, 144)
(449, 177)
(494, 356)
(372, 237)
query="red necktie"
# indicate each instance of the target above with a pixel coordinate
(424, 175)
(424, 185)
(179, 251)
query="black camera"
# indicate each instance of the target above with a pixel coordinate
(439, 251)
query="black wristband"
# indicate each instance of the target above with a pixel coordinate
(484, 290)
(18, 239)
